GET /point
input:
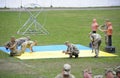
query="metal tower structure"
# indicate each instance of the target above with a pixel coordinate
(32, 26)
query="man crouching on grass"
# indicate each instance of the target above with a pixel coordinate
(72, 50)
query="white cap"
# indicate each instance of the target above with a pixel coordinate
(66, 69)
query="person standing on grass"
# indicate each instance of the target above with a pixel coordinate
(96, 42)
(66, 72)
(28, 44)
(109, 31)
(72, 50)
(94, 25)
(12, 45)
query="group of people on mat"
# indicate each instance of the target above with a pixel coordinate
(72, 50)
(87, 73)
(23, 42)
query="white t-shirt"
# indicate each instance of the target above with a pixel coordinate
(95, 37)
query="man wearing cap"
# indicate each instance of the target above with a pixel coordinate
(72, 50)
(66, 72)
(28, 44)
(96, 41)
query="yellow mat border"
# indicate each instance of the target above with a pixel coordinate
(59, 54)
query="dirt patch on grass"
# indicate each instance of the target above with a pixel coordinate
(15, 67)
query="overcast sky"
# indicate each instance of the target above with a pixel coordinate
(60, 3)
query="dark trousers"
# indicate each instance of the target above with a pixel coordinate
(73, 54)
(109, 40)
(93, 31)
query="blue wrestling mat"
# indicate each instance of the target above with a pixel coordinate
(49, 48)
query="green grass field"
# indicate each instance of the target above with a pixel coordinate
(72, 25)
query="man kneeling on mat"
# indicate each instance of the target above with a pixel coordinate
(72, 50)
(28, 44)
(12, 45)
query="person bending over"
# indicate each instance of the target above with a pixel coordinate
(96, 42)
(28, 44)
